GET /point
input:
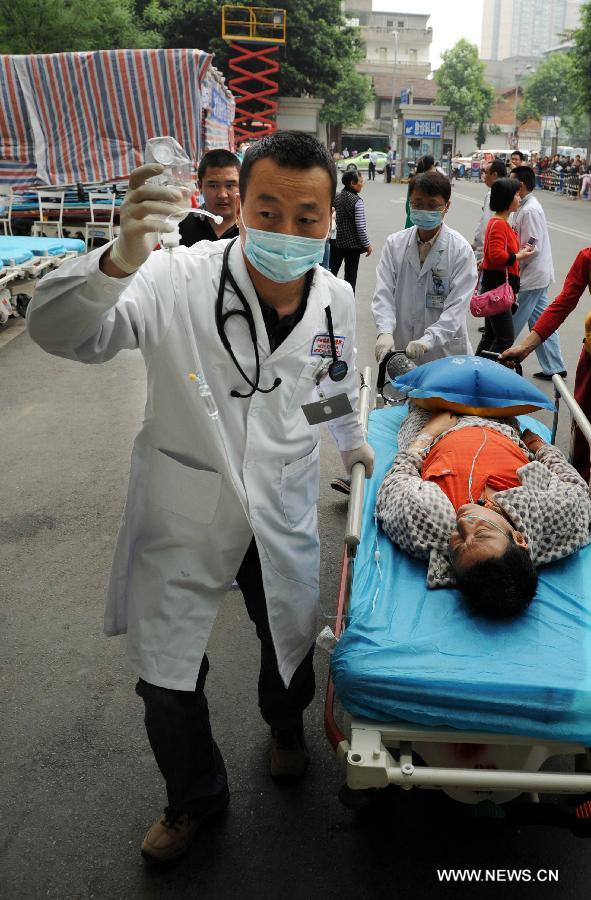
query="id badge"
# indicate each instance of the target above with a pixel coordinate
(435, 301)
(329, 408)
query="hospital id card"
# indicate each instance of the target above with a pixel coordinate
(326, 409)
(435, 301)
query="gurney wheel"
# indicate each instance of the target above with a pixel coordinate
(22, 302)
(357, 800)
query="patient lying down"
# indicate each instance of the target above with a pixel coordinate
(484, 504)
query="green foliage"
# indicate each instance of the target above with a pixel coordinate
(581, 68)
(552, 78)
(480, 136)
(53, 26)
(462, 86)
(345, 103)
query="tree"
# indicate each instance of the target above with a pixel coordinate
(550, 91)
(462, 87)
(581, 68)
(480, 136)
(345, 104)
(54, 26)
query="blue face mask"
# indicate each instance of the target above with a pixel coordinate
(282, 257)
(426, 219)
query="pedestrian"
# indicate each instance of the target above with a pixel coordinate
(389, 164)
(217, 180)
(371, 166)
(517, 158)
(500, 262)
(345, 153)
(578, 279)
(424, 280)
(225, 469)
(424, 164)
(493, 170)
(536, 274)
(351, 238)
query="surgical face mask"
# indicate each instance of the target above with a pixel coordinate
(427, 219)
(282, 257)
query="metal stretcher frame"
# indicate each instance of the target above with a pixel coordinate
(379, 754)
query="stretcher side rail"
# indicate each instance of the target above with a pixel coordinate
(561, 392)
(355, 508)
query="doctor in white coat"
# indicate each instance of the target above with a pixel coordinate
(424, 280)
(225, 470)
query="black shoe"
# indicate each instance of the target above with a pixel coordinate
(544, 377)
(482, 329)
(342, 485)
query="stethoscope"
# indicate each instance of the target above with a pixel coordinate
(337, 369)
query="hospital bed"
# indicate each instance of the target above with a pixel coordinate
(23, 260)
(421, 694)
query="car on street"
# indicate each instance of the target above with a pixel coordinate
(362, 162)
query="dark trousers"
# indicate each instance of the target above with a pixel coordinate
(498, 333)
(388, 173)
(351, 258)
(582, 394)
(177, 722)
(371, 171)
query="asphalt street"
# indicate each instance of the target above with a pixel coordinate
(79, 785)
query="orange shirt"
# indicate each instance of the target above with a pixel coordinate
(450, 461)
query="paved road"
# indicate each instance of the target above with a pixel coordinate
(79, 784)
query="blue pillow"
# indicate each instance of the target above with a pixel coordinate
(473, 386)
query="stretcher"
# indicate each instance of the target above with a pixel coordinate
(23, 260)
(423, 695)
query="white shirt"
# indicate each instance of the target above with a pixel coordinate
(530, 221)
(487, 214)
(373, 157)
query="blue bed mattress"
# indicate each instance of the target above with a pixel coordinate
(12, 255)
(42, 246)
(416, 654)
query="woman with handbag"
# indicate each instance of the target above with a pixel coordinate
(499, 270)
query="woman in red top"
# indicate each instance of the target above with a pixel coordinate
(577, 279)
(501, 258)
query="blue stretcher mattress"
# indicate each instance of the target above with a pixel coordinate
(416, 654)
(12, 255)
(41, 246)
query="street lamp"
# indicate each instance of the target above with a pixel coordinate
(517, 77)
(391, 129)
(556, 127)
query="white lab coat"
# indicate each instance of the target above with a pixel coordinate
(427, 304)
(201, 486)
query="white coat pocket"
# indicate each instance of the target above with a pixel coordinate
(300, 486)
(181, 489)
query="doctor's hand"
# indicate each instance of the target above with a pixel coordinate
(363, 454)
(415, 349)
(384, 344)
(142, 215)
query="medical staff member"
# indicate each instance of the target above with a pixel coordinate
(424, 280)
(217, 180)
(236, 336)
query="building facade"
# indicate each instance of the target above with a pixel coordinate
(391, 38)
(525, 28)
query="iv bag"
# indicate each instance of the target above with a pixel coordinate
(178, 168)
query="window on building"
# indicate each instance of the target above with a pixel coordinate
(389, 23)
(383, 53)
(400, 23)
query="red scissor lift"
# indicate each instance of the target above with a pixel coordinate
(255, 35)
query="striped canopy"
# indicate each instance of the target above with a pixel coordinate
(85, 117)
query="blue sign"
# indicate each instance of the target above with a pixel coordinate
(429, 128)
(404, 95)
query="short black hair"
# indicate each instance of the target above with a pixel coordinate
(502, 193)
(497, 166)
(350, 176)
(500, 587)
(432, 183)
(525, 175)
(292, 150)
(217, 159)
(425, 163)
(518, 153)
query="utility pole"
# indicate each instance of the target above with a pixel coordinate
(392, 129)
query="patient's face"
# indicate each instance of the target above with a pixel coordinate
(480, 533)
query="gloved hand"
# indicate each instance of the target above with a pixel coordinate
(363, 454)
(384, 344)
(415, 350)
(142, 215)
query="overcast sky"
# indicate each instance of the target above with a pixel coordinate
(450, 20)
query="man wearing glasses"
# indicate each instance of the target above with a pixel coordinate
(424, 280)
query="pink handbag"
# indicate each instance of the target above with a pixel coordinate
(495, 301)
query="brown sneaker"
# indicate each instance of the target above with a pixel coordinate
(173, 833)
(289, 754)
